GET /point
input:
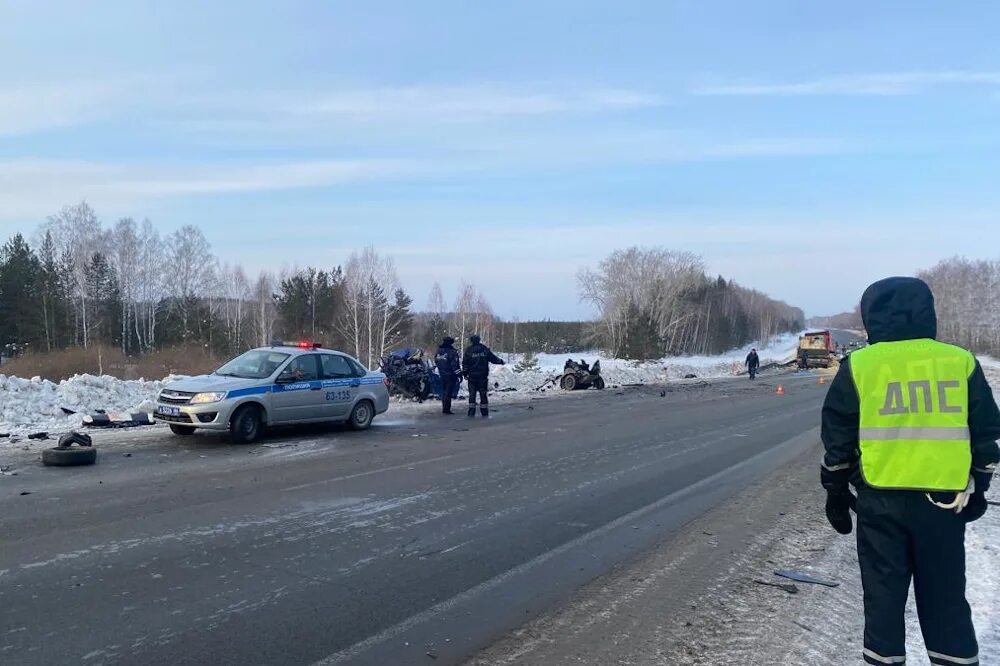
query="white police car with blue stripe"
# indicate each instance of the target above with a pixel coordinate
(283, 384)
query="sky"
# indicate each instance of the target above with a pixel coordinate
(804, 149)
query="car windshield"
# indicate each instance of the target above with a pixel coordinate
(256, 364)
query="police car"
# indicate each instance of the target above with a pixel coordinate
(278, 385)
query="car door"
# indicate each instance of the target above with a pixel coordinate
(340, 385)
(298, 395)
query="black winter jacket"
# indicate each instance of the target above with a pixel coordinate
(448, 361)
(476, 362)
(897, 309)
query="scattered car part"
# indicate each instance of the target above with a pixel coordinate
(581, 376)
(805, 578)
(102, 419)
(66, 455)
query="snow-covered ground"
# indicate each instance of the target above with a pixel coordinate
(619, 371)
(32, 405)
(36, 404)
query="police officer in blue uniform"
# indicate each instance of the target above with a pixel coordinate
(449, 366)
(476, 368)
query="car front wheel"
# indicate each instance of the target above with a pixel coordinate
(362, 415)
(246, 425)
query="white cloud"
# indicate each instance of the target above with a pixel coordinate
(33, 187)
(25, 109)
(463, 103)
(883, 84)
(611, 148)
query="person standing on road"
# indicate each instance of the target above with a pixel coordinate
(911, 423)
(753, 364)
(476, 368)
(449, 366)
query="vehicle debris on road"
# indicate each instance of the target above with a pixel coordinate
(802, 577)
(66, 455)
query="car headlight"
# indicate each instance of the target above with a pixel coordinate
(205, 398)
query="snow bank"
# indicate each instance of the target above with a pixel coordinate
(35, 404)
(619, 371)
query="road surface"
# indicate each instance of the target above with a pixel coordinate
(420, 541)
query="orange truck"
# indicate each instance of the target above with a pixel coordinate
(816, 350)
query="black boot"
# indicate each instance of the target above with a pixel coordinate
(485, 411)
(472, 411)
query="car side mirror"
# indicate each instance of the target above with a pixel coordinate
(284, 378)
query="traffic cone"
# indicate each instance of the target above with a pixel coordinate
(780, 390)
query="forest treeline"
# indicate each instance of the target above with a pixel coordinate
(79, 282)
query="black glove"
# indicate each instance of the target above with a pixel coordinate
(838, 510)
(977, 505)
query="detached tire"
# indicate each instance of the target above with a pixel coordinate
(245, 426)
(69, 456)
(568, 382)
(599, 384)
(361, 416)
(183, 431)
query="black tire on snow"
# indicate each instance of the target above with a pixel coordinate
(568, 382)
(599, 384)
(245, 426)
(361, 416)
(181, 430)
(69, 456)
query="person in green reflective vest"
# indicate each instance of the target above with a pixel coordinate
(912, 424)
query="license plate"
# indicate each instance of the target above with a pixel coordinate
(168, 411)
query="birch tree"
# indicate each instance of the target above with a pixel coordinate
(149, 285)
(77, 235)
(265, 313)
(464, 306)
(190, 257)
(371, 320)
(126, 255)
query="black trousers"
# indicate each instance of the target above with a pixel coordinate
(479, 387)
(447, 388)
(901, 535)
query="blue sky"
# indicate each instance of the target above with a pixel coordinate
(805, 149)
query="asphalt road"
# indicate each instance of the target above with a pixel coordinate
(420, 541)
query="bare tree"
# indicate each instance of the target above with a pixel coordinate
(126, 255)
(77, 233)
(149, 285)
(464, 306)
(190, 257)
(369, 321)
(967, 298)
(654, 301)
(484, 318)
(265, 313)
(435, 302)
